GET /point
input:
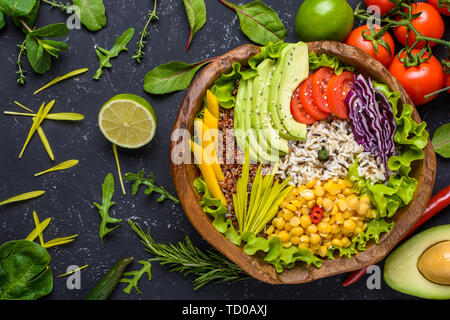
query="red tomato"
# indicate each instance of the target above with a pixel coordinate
(421, 80)
(338, 87)
(384, 5)
(297, 110)
(319, 88)
(429, 24)
(445, 10)
(306, 99)
(355, 38)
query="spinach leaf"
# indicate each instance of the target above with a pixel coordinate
(24, 271)
(2, 20)
(107, 203)
(171, 77)
(92, 13)
(259, 22)
(105, 55)
(196, 14)
(441, 140)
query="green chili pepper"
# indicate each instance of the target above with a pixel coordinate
(106, 285)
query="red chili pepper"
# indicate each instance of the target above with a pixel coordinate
(316, 214)
(438, 202)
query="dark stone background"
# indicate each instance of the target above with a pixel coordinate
(70, 193)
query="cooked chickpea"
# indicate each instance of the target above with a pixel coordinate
(336, 242)
(297, 203)
(295, 240)
(327, 204)
(335, 229)
(335, 210)
(323, 227)
(342, 205)
(284, 236)
(304, 239)
(353, 202)
(305, 210)
(294, 221)
(311, 204)
(339, 218)
(280, 223)
(288, 214)
(322, 251)
(308, 194)
(363, 208)
(319, 192)
(314, 238)
(270, 230)
(312, 228)
(346, 242)
(287, 227)
(291, 207)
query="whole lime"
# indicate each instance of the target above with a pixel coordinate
(324, 20)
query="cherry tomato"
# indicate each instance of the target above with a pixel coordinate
(307, 101)
(337, 89)
(445, 10)
(429, 24)
(355, 38)
(316, 214)
(297, 110)
(384, 5)
(319, 88)
(419, 81)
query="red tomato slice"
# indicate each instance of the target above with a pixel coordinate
(319, 88)
(297, 110)
(337, 89)
(306, 100)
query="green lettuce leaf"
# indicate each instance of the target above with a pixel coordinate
(324, 60)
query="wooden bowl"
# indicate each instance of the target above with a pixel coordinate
(184, 174)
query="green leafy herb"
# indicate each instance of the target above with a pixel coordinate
(196, 14)
(137, 275)
(324, 60)
(172, 76)
(21, 78)
(92, 13)
(260, 23)
(185, 258)
(2, 20)
(107, 203)
(441, 140)
(139, 180)
(19, 9)
(105, 55)
(139, 55)
(25, 273)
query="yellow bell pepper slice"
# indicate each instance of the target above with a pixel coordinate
(213, 103)
(206, 168)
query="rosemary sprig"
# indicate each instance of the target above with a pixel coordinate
(21, 78)
(185, 258)
(151, 15)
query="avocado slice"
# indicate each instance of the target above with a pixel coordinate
(272, 105)
(401, 272)
(275, 143)
(294, 61)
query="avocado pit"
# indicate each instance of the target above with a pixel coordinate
(434, 263)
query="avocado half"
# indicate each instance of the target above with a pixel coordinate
(401, 271)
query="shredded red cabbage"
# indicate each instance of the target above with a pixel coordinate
(372, 119)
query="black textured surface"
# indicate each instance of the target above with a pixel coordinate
(70, 194)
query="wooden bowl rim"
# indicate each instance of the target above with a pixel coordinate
(254, 265)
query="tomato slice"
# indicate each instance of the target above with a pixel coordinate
(307, 102)
(319, 88)
(337, 89)
(297, 110)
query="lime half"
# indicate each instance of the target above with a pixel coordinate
(128, 121)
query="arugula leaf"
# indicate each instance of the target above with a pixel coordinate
(259, 22)
(107, 203)
(149, 183)
(441, 140)
(137, 275)
(92, 13)
(196, 14)
(105, 55)
(172, 76)
(25, 273)
(2, 20)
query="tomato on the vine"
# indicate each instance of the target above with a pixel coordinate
(338, 87)
(421, 80)
(297, 110)
(444, 9)
(356, 39)
(384, 5)
(319, 88)
(306, 99)
(428, 24)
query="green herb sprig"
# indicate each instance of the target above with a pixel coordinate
(185, 258)
(139, 55)
(107, 203)
(139, 180)
(104, 55)
(21, 78)
(136, 276)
